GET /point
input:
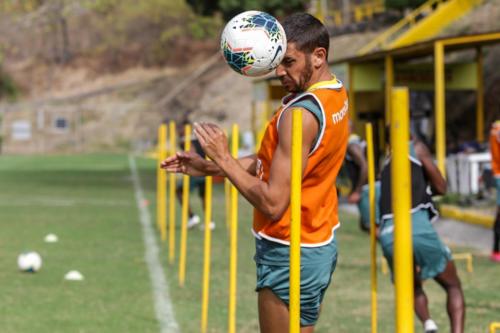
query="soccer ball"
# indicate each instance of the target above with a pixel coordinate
(253, 43)
(29, 262)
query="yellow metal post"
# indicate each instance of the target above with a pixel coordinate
(352, 94)
(319, 11)
(254, 119)
(401, 206)
(384, 266)
(494, 326)
(480, 97)
(227, 197)
(163, 210)
(358, 14)
(373, 237)
(439, 108)
(295, 202)
(159, 180)
(465, 256)
(389, 82)
(233, 260)
(206, 254)
(171, 198)
(337, 17)
(185, 207)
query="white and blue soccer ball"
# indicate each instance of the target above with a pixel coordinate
(29, 261)
(253, 43)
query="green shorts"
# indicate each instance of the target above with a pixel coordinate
(194, 182)
(364, 206)
(430, 255)
(317, 267)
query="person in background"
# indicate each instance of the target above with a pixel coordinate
(431, 258)
(357, 170)
(495, 165)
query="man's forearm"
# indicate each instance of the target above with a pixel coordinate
(247, 163)
(252, 188)
(361, 180)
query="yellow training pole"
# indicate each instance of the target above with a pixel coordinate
(352, 94)
(480, 97)
(373, 239)
(439, 108)
(401, 206)
(185, 206)
(163, 206)
(171, 199)
(227, 197)
(295, 202)
(158, 180)
(494, 326)
(206, 254)
(389, 82)
(233, 259)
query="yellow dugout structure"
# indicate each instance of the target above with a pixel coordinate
(421, 66)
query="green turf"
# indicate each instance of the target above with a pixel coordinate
(88, 201)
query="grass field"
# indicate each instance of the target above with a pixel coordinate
(88, 201)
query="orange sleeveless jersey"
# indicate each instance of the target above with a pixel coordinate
(319, 194)
(495, 148)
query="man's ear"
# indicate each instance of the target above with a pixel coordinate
(319, 57)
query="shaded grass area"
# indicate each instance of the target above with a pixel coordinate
(88, 201)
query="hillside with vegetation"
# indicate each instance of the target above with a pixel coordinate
(119, 68)
(42, 38)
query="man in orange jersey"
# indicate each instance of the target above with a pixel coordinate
(264, 179)
(495, 162)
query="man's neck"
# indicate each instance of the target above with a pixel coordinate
(321, 75)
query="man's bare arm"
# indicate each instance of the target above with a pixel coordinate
(436, 180)
(356, 153)
(193, 164)
(272, 197)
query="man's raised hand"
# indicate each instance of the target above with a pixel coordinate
(188, 163)
(213, 141)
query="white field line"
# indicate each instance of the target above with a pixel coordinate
(163, 306)
(60, 202)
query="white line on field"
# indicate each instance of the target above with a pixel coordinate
(163, 306)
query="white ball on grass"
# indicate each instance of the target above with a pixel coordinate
(29, 261)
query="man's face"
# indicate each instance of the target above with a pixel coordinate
(295, 70)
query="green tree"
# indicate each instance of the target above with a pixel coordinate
(7, 87)
(204, 7)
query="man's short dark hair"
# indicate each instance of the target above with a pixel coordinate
(307, 32)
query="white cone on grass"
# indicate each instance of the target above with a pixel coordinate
(51, 238)
(73, 276)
